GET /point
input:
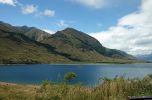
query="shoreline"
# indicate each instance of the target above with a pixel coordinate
(18, 84)
(81, 63)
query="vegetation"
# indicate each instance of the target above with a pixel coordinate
(84, 48)
(10, 91)
(69, 76)
(111, 89)
(18, 49)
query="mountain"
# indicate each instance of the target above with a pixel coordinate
(31, 32)
(18, 49)
(147, 57)
(31, 45)
(83, 47)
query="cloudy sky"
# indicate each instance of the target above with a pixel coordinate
(117, 24)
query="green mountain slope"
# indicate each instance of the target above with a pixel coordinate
(83, 47)
(31, 45)
(31, 32)
(19, 49)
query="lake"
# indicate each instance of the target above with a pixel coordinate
(86, 74)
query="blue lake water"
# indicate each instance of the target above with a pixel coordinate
(86, 74)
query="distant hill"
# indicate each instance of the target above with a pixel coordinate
(31, 32)
(147, 57)
(31, 45)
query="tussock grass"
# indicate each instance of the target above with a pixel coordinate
(118, 88)
(111, 89)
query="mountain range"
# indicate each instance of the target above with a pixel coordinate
(147, 57)
(28, 45)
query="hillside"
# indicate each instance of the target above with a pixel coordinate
(83, 47)
(147, 57)
(18, 49)
(31, 32)
(31, 45)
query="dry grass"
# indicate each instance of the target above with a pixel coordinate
(17, 92)
(111, 89)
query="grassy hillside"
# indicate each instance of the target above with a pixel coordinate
(82, 47)
(31, 32)
(17, 48)
(26, 45)
(36, 34)
(111, 89)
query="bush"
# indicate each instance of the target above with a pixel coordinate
(69, 76)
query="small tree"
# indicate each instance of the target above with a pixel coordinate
(69, 76)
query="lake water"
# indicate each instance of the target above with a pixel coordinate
(86, 74)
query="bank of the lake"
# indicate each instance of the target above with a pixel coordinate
(118, 88)
(88, 74)
(13, 91)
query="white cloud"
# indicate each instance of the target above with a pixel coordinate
(49, 31)
(46, 12)
(62, 23)
(133, 32)
(49, 13)
(29, 9)
(91, 3)
(9, 2)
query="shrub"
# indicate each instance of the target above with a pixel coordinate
(69, 76)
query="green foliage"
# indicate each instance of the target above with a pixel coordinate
(69, 76)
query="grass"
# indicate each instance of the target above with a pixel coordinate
(111, 89)
(10, 91)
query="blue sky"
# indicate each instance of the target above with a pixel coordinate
(118, 24)
(69, 12)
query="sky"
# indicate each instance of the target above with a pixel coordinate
(117, 24)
